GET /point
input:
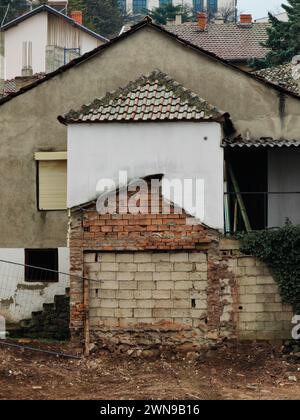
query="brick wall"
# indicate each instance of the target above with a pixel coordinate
(157, 279)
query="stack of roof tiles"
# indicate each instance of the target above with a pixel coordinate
(280, 75)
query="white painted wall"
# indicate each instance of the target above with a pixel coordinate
(88, 43)
(283, 176)
(178, 150)
(18, 299)
(34, 30)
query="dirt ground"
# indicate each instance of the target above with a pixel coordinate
(229, 371)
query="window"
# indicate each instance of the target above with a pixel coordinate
(139, 6)
(52, 180)
(122, 5)
(38, 259)
(212, 6)
(198, 6)
(164, 2)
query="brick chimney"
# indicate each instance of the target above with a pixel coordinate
(246, 19)
(76, 15)
(202, 21)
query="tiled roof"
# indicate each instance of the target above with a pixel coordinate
(228, 41)
(10, 86)
(262, 142)
(149, 98)
(281, 76)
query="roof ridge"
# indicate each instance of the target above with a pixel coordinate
(112, 97)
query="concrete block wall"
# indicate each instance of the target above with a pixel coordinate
(147, 288)
(262, 315)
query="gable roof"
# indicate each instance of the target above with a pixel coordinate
(146, 22)
(155, 97)
(54, 12)
(281, 76)
(229, 41)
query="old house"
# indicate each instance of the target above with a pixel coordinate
(33, 156)
(236, 42)
(42, 40)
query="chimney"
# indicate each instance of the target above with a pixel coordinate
(246, 19)
(76, 15)
(296, 70)
(202, 21)
(178, 19)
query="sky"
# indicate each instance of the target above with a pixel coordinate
(260, 8)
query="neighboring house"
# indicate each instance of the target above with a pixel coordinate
(282, 76)
(139, 6)
(43, 40)
(237, 43)
(280, 16)
(33, 158)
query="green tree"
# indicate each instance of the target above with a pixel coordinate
(160, 15)
(11, 9)
(283, 38)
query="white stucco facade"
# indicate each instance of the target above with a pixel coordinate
(39, 32)
(18, 298)
(178, 150)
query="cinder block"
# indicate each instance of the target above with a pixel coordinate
(106, 312)
(93, 267)
(141, 276)
(199, 257)
(201, 267)
(163, 304)
(142, 313)
(124, 313)
(90, 257)
(246, 262)
(106, 275)
(161, 294)
(254, 307)
(125, 294)
(160, 257)
(161, 313)
(272, 307)
(254, 271)
(107, 294)
(109, 285)
(198, 276)
(265, 298)
(271, 288)
(146, 285)
(199, 285)
(109, 303)
(265, 280)
(183, 267)
(165, 285)
(106, 257)
(180, 276)
(127, 285)
(247, 281)
(179, 257)
(181, 313)
(163, 267)
(127, 267)
(147, 304)
(248, 299)
(145, 267)
(187, 322)
(143, 294)
(247, 317)
(179, 294)
(166, 276)
(124, 258)
(127, 304)
(143, 257)
(265, 316)
(183, 285)
(183, 304)
(109, 266)
(201, 304)
(125, 276)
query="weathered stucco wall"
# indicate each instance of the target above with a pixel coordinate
(28, 122)
(18, 298)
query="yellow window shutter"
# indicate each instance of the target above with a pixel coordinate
(52, 184)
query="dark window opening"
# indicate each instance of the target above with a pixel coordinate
(41, 265)
(250, 168)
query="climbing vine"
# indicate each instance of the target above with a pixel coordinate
(280, 250)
